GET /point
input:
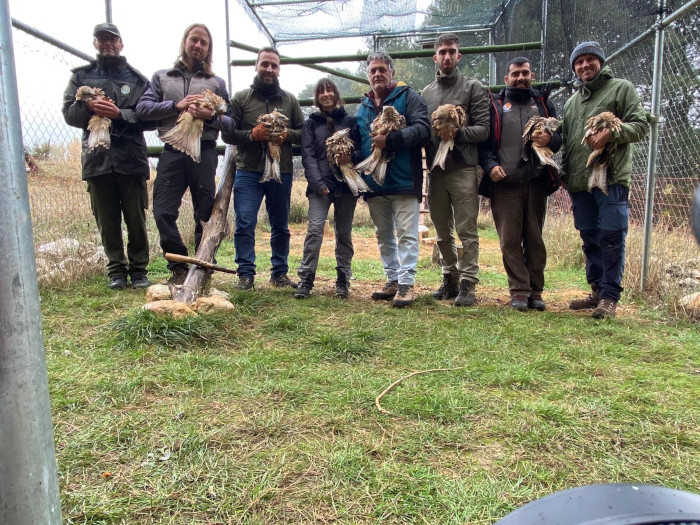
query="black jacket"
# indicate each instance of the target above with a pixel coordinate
(124, 85)
(488, 150)
(317, 128)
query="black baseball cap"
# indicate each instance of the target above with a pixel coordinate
(106, 28)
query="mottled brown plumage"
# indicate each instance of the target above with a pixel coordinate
(339, 145)
(599, 158)
(543, 155)
(187, 134)
(387, 121)
(447, 119)
(97, 126)
(277, 123)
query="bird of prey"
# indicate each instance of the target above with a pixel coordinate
(387, 121)
(97, 126)
(447, 119)
(543, 155)
(340, 144)
(187, 134)
(599, 158)
(277, 123)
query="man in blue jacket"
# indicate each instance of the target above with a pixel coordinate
(116, 176)
(395, 206)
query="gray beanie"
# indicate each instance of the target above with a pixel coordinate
(587, 48)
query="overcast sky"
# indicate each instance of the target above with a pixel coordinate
(152, 31)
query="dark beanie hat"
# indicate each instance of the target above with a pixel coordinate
(587, 48)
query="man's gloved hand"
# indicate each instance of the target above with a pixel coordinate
(260, 132)
(279, 138)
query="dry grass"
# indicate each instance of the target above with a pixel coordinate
(60, 209)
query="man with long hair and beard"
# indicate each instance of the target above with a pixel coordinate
(171, 92)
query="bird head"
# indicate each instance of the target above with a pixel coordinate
(85, 93)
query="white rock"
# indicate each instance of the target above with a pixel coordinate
(158, 292)
(214, 303)
(176, 309)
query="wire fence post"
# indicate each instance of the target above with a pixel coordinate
(653, 145)
(28, 473)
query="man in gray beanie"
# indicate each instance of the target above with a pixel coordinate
(601, 218)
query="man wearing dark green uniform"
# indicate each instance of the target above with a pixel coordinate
(116, 176)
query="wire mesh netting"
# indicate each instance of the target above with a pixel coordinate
(60, 205)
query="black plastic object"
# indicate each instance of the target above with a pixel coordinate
(696, 214)
(611, 504)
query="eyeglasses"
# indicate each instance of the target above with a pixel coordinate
(103, 39)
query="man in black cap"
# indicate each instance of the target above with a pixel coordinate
(116, 174)
(601, 217)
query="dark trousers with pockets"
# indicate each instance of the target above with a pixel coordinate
(602, 222)
(111, 197)
(175, 174)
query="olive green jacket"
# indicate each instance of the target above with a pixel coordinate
(603, 93)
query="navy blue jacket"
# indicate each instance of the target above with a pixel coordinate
(404, 174)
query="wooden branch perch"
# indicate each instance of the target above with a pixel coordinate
(199, 262)
(392, 385)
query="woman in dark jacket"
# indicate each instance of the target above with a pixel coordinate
(324, 189)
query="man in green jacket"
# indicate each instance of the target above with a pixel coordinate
(600, 218)
(452, 196)
(263, 96)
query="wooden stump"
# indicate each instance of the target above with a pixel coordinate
(214, 231)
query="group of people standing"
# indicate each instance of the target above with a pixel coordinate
(491, 138)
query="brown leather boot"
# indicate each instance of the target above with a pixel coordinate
(587, 303)
(606, 308)
(387, 292)
(404, 296)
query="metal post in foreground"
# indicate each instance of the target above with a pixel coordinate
(108, 11)
(28, 479)
(653, 146)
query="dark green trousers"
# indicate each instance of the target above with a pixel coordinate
(111, 197)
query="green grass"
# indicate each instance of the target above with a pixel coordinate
(266, 415)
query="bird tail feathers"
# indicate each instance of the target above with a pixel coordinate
(441, 156)
(99, 132)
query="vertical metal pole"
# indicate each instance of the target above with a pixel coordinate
(542, 73)
(653, 144)
(228, 49)
(492, 61)
(108, 11)
(28, 476)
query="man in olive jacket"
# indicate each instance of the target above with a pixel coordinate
(600, 219)
(263, 96)
(452, 192)
(116, 176)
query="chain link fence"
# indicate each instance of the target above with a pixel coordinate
(61, 209)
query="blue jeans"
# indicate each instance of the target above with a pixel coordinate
(395, 220)
(248, 193)
(602, 222)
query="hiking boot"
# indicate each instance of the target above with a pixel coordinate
(282, 281)
(519, 303)
(303, 291)
(179, 275)
(449, 288)
(387, 292)
(466, 296)
(588, 303)
(404, 296)
(140, 281)
(535, 302)
(117, 282)
(245, 282)
(342, 290)
(606, 308)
